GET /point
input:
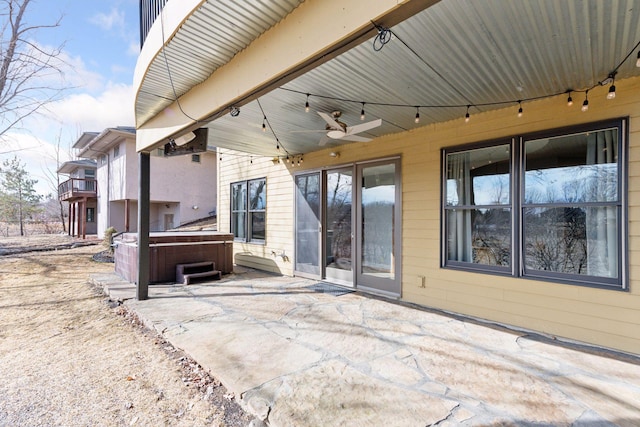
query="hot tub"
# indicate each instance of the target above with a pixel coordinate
(167, 249)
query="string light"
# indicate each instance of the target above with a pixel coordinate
(585, 104)
(417, 119)
(467, 116)
(306, 105)
(362, 115)
(569, 100)
(520, 109)
(264, 123)
(638, 61)
(612, 88)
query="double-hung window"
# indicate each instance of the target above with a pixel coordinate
(550, 206)
(248, 207)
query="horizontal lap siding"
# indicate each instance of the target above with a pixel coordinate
(236, 166)
(601, 317)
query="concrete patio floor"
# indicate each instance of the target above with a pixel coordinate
(294, 353)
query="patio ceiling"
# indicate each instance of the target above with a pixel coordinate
(456, 53)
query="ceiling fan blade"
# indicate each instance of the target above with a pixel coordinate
(330, 120)
(355, 138)
(324, 140)
(351, 130)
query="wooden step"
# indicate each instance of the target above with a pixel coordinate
(196, 270)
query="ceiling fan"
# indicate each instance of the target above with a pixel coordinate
(337, 130)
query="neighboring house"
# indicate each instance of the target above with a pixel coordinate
(480, 158)
(183, 188)
(80, 191)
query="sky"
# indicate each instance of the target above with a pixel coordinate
(101, 45)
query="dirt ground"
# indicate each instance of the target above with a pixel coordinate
(70, 357)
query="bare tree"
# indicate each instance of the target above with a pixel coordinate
(28, 71)
(53, 179)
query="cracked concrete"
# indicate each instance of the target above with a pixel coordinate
(296, 357)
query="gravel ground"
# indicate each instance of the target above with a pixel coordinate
(70, 357)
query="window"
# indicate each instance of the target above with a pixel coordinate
(549, 206)
(91, 214)
(195, 158)
(116, 151)
(103, 159)
(248, 206)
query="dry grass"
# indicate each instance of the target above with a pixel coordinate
(68, 358)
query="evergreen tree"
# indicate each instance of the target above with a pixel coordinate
(18, 197)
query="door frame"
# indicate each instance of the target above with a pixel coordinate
(356, 217)
(387, 287)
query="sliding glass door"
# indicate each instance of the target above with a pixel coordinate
(308, 228)
(378, 219)
(348, 223)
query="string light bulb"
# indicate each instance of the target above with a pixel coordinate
(264, 123)
(612, 92)
(362, 115)
(417, 119)
(569, 100)
(306, 105)
(638, 61)
(520, 109)
(467, 116)
(585, 104)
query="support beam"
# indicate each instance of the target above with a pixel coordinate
(142, 286)
(83, 217)
(69, 231)
(73, 219)
(127, 208)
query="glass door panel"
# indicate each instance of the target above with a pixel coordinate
(379, 224)
(338, 226)
(307, 228)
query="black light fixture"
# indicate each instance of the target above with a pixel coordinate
(638, 60)
(585, 104)
(362, 115)
(467, 116)
(569, 99)
(234, 111)
(520, 109)
(264, 123)
(612, 88)
(417, 119)
(306, 105)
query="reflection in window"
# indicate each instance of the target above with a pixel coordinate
(477, 220)
(569, 207)
(378, 207)
(248, 210)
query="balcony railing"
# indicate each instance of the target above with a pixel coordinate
(77, 187)
(149, 11)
